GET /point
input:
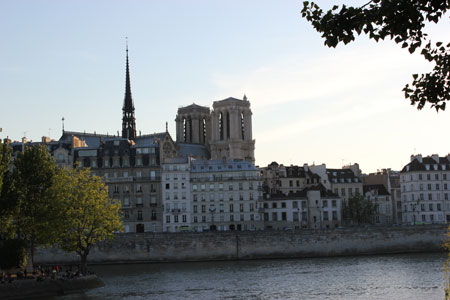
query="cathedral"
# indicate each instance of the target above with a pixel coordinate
(131, 164)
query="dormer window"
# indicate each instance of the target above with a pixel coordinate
(407, 168)
(435, 167)
(427, 167)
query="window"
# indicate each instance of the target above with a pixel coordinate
(139, 217)
(325, 216)
(251, 196)
(439, 207)
(167, 186)
(437, 187)
(175, 219)
(153, 215)
(274, 216)
(283, 216)
(220, 186)
(230, 187)
(195, 197)
(343, 192)
(211, 197)
(252, 207)
(430, 206)
(324, 203)
(333, 203)
(274, 205)
(334, 215)
(184, 218)
(240, 186)
(194, 187)
(430, 197)
(203, 187)
(195, 208)
(283, 204)
(436, 176)
(241, 207)
(211, 186)
(167, 219)
(294, 204)
(203, 219)
(429, 187)
(231, 208)
(126, 214)
(203, 208)
(195, 219)
(428, 175)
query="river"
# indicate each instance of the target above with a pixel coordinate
(403, 276)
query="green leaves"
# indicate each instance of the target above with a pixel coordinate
(403, 21)
(90, 215)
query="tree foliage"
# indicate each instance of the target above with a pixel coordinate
(359, 210)
(5, 176)
(90, 215)
(33, 206)
(402, 21)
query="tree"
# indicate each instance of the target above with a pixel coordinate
(359, 210)
(33, 207)
(90, 215)
(400, 20)
(5, 161)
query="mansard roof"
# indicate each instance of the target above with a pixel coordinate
(218, 165)
(339, 174)
(380, 188)
(303, 193)
(427, 164)
(195, 150)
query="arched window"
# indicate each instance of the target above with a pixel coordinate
(184, 130)
(221, 125)
(203, 130)
(228, 125)
(242, 125)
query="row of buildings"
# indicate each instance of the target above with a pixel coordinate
(206, 179)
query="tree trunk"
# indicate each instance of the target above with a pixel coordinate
(83, 263)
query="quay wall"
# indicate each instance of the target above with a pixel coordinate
(173, 247)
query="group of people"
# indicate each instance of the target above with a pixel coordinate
(42, 273)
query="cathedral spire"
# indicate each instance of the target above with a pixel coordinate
(128, 119)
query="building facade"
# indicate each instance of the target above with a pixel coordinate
(425, 183)
(225, 195)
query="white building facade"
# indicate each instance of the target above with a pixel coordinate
(225, 195)
(425, 189)
(175, 187)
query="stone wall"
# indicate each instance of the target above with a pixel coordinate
(171, 247)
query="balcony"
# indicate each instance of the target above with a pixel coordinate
(176, 210)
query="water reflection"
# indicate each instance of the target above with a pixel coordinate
(412, 276)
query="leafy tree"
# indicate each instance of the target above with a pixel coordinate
(400, 20)
(359, 210)
(90, 215)
(33, 206)
(5, 160)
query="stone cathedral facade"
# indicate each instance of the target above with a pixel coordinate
(226, 131)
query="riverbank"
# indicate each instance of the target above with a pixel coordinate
(209, 246)
(29, 288)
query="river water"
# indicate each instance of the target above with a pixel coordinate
(405, 276)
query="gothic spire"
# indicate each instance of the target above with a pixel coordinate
(128, 119)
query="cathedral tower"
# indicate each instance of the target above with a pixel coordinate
(193, 124)
(231, 130)
(128, 119)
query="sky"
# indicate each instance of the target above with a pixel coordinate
(311, 104)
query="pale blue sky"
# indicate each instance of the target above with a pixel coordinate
(310, 103)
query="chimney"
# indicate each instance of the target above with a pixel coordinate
(24, 141)
(45, 140)
(419, 157)
(435, 157)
